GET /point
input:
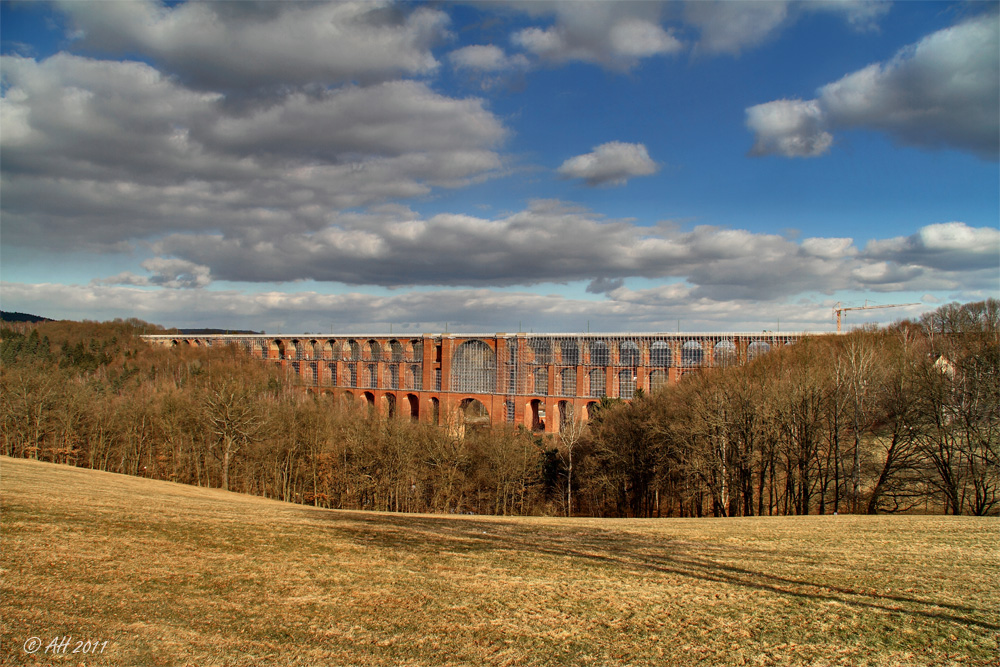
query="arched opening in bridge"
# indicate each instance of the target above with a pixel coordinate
(565, 414)
(278, 349)
(757, 348)
(354, 350)
(395, 351)
(415, 350)
(295, 349)
(600, 354)
(348, 398)
(724, 353)
(414, 378)
(691, 353)
(435, 411)
(474, 368)
(598, 382)
(331, 371)
(472, 413)
(591, 407)
(393, 377)
(370, 400)
(570, 353)
(628, 354)
(313, 374)
(541, 350)
(327, 350)
(626, 383)
(537, 411)
(413, 403)
(373, 350)
(541, 381)
(657, 379)
(567, 383)
(352, 375)
(660, 355)
(371, 375)
(389, 405)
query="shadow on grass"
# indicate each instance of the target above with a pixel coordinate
(417, 534)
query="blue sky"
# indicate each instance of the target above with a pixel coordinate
(488, 166)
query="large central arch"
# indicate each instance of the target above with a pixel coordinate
(471, 413)
(413, 403)
(474, 368)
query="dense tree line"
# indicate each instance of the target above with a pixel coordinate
(905, 418)
(95, 395)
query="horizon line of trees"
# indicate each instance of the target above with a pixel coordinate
(906, 418)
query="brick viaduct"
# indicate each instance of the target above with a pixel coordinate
(540, 381)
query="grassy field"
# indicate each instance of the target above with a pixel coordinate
(175, 575)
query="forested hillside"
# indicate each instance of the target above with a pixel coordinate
(905, 418)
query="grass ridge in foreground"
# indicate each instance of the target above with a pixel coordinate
(177, 575)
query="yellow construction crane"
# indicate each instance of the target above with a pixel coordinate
(837, 310)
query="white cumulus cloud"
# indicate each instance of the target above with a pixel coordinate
(942, 92)
(165, 272)
(829, 248)
(615, 35)
(247, 46)
(793, 128)
(486, 58)
(947, 246)
(556, 242)
(98, 152)
(728, 26)
(612, 163)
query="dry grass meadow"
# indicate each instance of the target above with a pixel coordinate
(177, 575)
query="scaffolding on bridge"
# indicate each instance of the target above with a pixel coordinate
(571, 365)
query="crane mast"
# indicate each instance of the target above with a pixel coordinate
(838, 310)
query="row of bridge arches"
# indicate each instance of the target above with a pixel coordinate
(371, 375)
(344, 350)
(469, 412)
(388, 404)
(475, 355)
(474, 367)
(661, 353)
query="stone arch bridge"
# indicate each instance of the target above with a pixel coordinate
(539, 381)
